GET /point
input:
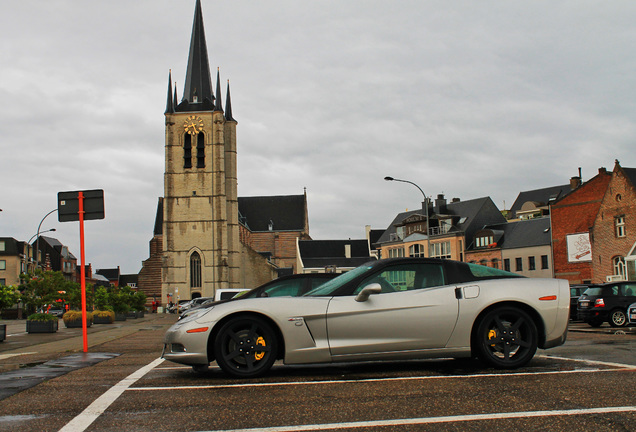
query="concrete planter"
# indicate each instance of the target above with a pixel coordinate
(41, 326)
(3, 332)
(77, 324)
(102, 320)
(132, 314)
(120, 316)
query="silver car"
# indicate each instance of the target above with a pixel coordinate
(401, 308)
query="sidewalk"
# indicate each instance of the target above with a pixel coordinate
(20, 347)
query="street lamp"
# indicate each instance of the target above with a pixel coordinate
(37, 242)
(425, 203)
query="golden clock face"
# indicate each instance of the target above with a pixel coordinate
(193, 125)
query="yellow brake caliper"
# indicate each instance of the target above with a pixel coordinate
(492, 334)
(259, 355)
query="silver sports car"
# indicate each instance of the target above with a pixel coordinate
(401, 308)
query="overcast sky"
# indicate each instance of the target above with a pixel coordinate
(464, 98)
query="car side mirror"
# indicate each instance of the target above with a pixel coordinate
(373, 288)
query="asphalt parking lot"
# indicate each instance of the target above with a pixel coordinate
(587, 384)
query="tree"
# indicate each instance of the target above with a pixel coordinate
(44, 288)
(9, 295)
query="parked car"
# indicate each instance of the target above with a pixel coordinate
(290, 285)
(575, 293)
(607, 302)
(400, 308)
(631, 314)
(227, 293)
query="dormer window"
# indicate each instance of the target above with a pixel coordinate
(484, 241)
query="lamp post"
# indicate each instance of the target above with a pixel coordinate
(425, 203)
(37, 242)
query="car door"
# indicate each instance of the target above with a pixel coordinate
(415, 310)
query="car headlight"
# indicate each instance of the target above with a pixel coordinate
(194, 315)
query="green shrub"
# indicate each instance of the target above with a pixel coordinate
(74, 315)
(104, 314)
(42, 317)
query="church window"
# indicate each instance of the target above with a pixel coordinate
(200, 150)
(187, 151)
(195, 270)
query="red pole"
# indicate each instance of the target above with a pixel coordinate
(83, 274)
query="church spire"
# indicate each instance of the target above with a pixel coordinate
(198, 82)
(170, 103)
(228, 104)
(218, 106)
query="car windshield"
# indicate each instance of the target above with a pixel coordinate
(482, 271)
(328, 288)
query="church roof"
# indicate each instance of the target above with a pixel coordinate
(283, 213)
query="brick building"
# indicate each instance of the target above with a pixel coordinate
(614, 232)
(594, 228)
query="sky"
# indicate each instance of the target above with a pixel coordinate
(466, 99)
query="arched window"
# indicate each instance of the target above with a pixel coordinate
(619, 266)
(195, 270)
(416, 250)
(187, 151)
(200, 150)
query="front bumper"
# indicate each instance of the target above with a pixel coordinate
(182, 347)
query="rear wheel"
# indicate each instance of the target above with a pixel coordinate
(245, 347)
(506, 337)
(617, 318)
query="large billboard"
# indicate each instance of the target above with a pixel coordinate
(579, 247)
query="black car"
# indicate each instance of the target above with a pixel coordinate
(607, 302)
(575, 293)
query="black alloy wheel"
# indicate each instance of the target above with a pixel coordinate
(245, 347)
(617, 318)
(506, 338)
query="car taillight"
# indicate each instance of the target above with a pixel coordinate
(599, 303)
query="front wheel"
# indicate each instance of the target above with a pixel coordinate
(245, 347)
(617, 318)
(506, 338)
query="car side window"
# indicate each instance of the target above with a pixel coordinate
(629, 290)
(406, 277)
(285, 288)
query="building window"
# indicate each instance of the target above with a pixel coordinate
(544, 262)
(494, 263)
(195, 270)
(619, 224)
(396, 253)
(187, 151)
(518, 264)
(3, 282)
(531, 264)
(200, 150)
(619, 266)
(507, 264)
(2, 246)
(416, 250)
(484, 241)
(440, 250)
(3, 265)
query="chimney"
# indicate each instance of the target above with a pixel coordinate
(575, 182)
(440, 203)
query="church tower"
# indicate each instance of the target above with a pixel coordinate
(201, 250)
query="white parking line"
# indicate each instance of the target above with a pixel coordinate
(372, 380)
(99, 405)
(432, 420)
(6, 356)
